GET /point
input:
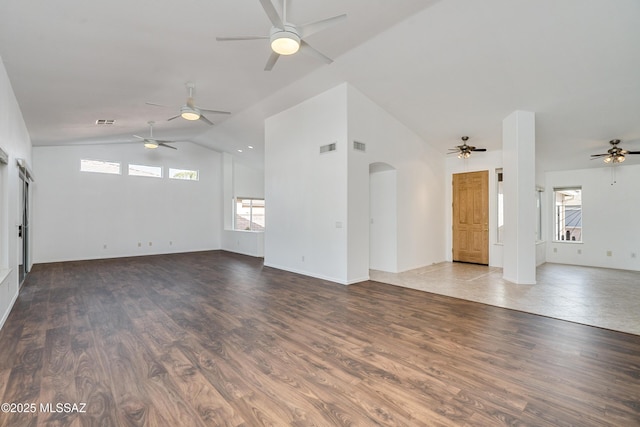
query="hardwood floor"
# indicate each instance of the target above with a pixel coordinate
(214, 338)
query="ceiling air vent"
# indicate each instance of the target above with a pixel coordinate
(105, 121)
(327, 148)
(359, 146)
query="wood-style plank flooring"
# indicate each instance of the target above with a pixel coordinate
(213, 338)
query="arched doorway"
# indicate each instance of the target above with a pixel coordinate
(383, 218)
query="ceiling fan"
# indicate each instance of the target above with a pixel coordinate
(190, 111)
(464, 150)
(287, 38)
(152, 142)
(615, 154)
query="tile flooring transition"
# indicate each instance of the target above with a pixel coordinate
(601, 297)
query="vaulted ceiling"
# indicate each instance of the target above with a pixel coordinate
(445, 68)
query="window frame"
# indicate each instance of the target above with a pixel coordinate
(159, 168)
(104, 162)
(180, 170)
(251, 221)
(559, 215)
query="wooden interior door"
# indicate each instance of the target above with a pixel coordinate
(471, 217)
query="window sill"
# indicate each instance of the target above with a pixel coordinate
(569, 242)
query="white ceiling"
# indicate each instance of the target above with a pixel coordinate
(445, 68)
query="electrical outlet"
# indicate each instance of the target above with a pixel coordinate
(555, 250)
(104, 246)
(170, 243)
(579, 251)
(150, 244)
(139, 244)
(609, 253)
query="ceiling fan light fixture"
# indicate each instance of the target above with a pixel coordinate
(189, 113)
(285, 41)
(150, 144)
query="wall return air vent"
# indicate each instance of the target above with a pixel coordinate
(327, 148)
(359, 146)
(105, 121)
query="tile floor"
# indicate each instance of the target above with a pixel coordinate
(599, 297)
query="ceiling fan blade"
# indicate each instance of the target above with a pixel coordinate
(304, 47)
(174, 117)
(273, 58)
(272, 13)
(207, 121)
(314, 27)
(478, 149)
(157, 105)
(238, 38)
(595, 156)
(139, 137)
(633, 152)
(162, 144)
(214, 111)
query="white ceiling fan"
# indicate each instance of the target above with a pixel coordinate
(287, 38)
(190, 111)
(152, 142)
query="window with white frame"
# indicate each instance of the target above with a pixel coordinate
(144, 170)
(249, 214)
(185, 174)
(99, 166)
(568, 214)
(539, 214)
(500, 210)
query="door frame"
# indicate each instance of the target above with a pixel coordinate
(478, 231)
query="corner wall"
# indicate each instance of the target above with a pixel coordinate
(609, 217)
(306, 191)
(318, 204)
(15, 141)
(83, 215)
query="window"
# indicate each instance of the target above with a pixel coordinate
(186, 174)
(249, 214)
(568, 214)
(142, 170)
(99, 166)
(539, 214)
(500, 215)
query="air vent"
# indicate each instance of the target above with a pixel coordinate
(327, 148)
(105, 121)
(359, 146)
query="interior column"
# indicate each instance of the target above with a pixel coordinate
(518, 148)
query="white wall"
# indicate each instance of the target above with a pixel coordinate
(15, 141)
(318, 204)
(420, 183)
(305, 191)
(78, 213)
(241, 181)
(609, 216)
(248, 182)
